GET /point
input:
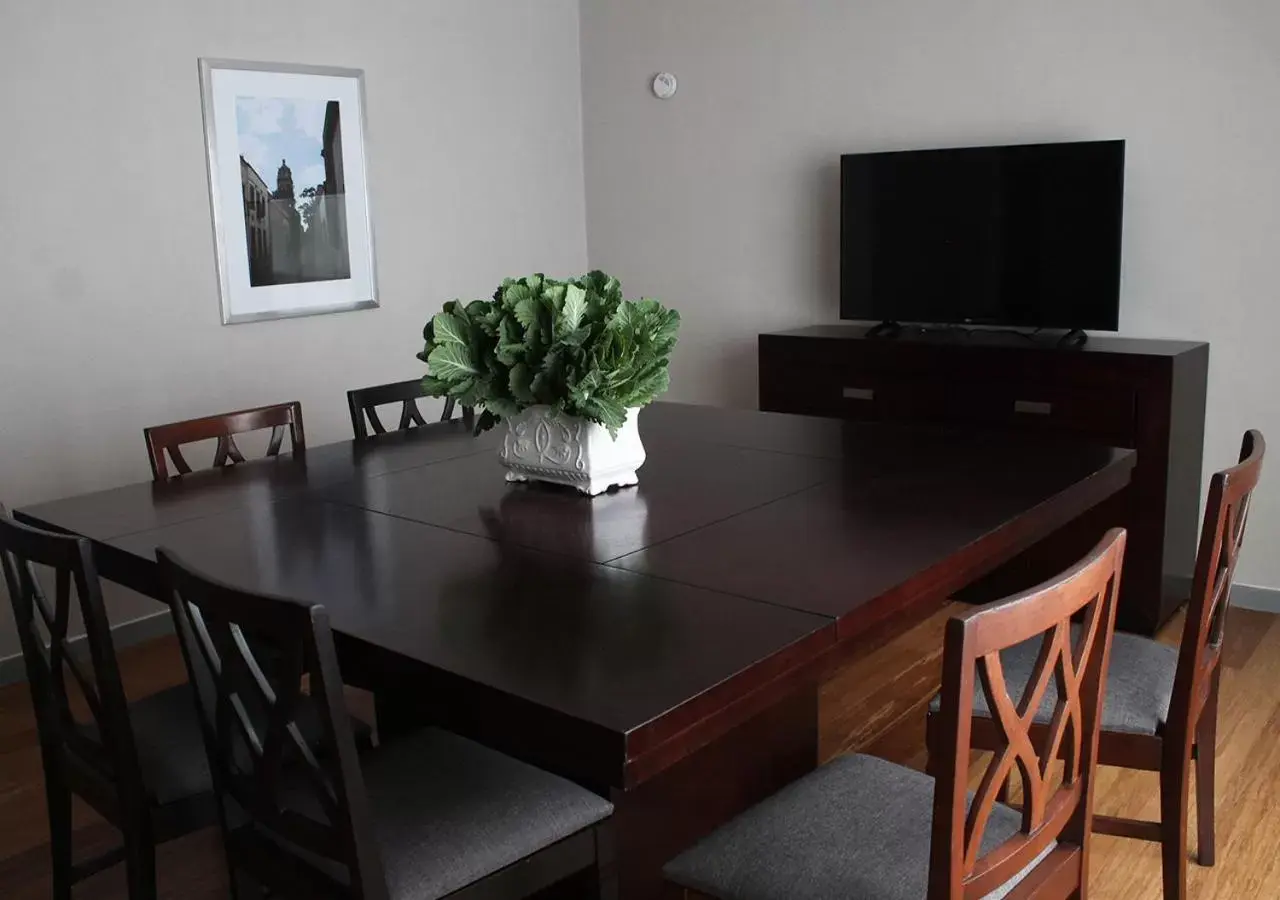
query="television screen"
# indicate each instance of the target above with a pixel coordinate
(1023, 236)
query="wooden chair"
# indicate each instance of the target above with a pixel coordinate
(365, 402)
(142, 767)
(431, 815)
(1161, 711)
(170, 438)
(862, 827)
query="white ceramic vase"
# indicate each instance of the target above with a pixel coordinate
(542, 445)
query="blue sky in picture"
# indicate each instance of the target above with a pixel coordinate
(271, 129)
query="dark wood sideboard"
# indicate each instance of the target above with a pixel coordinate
(1148, 395)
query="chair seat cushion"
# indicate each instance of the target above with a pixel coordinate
(166, 731)
(448, 812)
(858, 828)
(1139, 684)
(171, 752)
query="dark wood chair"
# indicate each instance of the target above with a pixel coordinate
(429, 815)
(141, 766)
(1161, 712)
(863, 827)
(162, 439)
(364, 404)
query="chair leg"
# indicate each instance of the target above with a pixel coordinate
(59, 799)
(930, 754)
(606, 862)
(608, 886)
(140, 864)
(1206, 763)
(239, 885)
(244, 887)
(1174, 797)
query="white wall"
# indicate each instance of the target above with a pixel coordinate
(724, 202)
(110, 308)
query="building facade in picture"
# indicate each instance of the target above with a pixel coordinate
(296, 232)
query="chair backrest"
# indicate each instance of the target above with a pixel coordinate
(303, 797)
(1053, 808)
(162, 439)
(96, 758)
(364, 404)
(1226, 514)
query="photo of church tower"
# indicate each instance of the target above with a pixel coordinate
(293, 234)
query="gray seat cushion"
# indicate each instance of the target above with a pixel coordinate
(859, 828)
(1139, 685)
(166, 732)
(447, 811)
(171, 752)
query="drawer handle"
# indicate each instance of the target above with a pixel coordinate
(1034, 407)
(854, 393)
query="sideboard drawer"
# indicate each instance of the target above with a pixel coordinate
(870, 395)
(1104, 415)
(1108, 415)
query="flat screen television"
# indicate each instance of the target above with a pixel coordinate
(1024, 236)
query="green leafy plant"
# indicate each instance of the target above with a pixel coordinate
(576, 346)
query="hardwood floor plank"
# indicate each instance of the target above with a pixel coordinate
(1245, 632)
(17, 720)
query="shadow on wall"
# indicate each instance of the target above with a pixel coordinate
(739, 368)
(712, 366)
(723, 373)
(824, 206)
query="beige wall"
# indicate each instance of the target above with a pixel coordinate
(724, 201)
(111, 318)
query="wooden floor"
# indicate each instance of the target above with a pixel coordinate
(873, 705)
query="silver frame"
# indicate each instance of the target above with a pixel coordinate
(207, 65)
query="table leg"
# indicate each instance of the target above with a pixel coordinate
(398, 713)
(668, 813)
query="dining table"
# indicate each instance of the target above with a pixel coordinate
(661, 644)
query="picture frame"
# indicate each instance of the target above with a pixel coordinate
(296, 240)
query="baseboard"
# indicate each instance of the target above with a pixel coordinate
(1262, 599)
(126, 634)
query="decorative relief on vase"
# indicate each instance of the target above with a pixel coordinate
(546, 446)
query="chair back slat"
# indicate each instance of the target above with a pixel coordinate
(375, 422)
(277, 439)
(249, 656)
(411, 417)
(102, 747)
(1226, 515)
(1057, 806)
(164, 442)
(363, 405)
(158, 468)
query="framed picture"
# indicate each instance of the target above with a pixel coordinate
(287, 178)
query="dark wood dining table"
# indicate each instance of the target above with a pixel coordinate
(663, 644)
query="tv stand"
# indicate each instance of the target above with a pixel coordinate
(885, 330)
(1143, 394)
(1073, 339)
